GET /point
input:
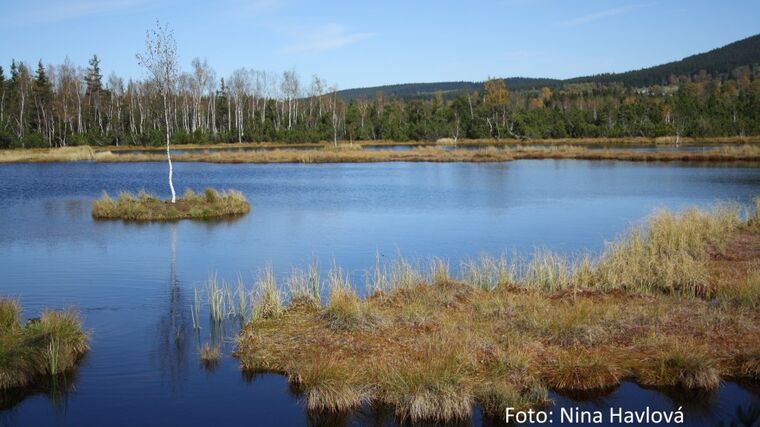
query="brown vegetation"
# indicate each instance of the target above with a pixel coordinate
(662, 305)
(147, 207)
(746, 153)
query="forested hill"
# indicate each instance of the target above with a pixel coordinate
(426, 90)
(717, 62)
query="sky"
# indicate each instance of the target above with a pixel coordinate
(367, 43)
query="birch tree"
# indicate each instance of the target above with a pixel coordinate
(161, 62)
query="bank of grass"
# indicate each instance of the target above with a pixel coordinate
(612, 142)
(445, 150)
(147, 207)
(44, 155)
(746, 153)
(670, 303)
(43, 347)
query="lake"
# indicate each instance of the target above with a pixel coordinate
(134, 283)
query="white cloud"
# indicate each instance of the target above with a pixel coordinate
(597, 16)
(325, 38)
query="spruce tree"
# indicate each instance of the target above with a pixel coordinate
(43, 89)
(94, 78)
(14, 71)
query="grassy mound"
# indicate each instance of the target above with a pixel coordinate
(148, 207)
(673, 303)
(43, 347)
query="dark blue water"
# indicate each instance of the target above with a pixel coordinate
(133, 283)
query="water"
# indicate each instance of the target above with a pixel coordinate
(133, 283)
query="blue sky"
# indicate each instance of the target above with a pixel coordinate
(356, 43)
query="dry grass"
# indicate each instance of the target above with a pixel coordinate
(669, 254)
(505, 331)
(267, 302)
(210, 355)
(41, 155)
(148, 207)
(422, 151)
(622, 142)
(47, 346)
(428, 153)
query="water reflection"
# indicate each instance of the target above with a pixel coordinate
(172, 349)
(56, 388)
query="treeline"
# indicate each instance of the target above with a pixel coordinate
(60, 105)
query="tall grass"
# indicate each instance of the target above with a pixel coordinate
(487, 272)
(48, 346)
(268, 302)
(669, 254)
(305, 286)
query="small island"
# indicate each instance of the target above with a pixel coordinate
(46, 346)
(148, 207)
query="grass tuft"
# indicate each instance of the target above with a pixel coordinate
(433, 388)
(329, 386)
(305, 286)
(50, 345)
(581, 371)
(210, 355)
(269, 300)
(690, 369)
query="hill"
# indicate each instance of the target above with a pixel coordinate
(426, 90)
(717, 62)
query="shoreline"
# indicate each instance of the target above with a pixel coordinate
(355, 154)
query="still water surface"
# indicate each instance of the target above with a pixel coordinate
(133, 283)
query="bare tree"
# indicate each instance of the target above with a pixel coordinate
(335, 116)
(240, 87)
(160, 60)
